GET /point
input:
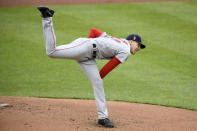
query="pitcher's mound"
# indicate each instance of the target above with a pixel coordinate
(42, 114)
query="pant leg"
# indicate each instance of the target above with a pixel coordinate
(49, 35)
(91, 71)
(80, 49)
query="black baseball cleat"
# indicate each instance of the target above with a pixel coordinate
(45, 11)
(106, 123)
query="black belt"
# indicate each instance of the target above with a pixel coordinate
(94, 51)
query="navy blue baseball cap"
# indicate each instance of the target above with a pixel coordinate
(136, 38)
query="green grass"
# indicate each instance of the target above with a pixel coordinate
(165, 73)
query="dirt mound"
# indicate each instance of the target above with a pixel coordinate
(42, 114)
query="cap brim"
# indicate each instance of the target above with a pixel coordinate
(142, 46)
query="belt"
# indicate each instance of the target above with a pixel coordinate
(94, 51)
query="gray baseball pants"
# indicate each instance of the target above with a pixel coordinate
(81, 51)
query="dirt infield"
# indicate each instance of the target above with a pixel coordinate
(42, 114)
(61, 2)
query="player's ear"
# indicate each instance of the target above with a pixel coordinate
(130, 41)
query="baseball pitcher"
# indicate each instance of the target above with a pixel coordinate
(98, 45)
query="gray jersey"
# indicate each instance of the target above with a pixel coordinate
(109, 47)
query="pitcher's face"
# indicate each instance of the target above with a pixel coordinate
(134, 47)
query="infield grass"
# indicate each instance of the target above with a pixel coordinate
(165, 73)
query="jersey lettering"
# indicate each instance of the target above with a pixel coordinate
(119, 40)
(116, 39)
(125, 42)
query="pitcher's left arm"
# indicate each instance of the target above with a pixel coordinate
(113, 63)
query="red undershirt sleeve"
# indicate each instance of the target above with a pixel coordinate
(109, 67)
(94, 33)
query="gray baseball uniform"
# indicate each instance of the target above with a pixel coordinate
(81, 50)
